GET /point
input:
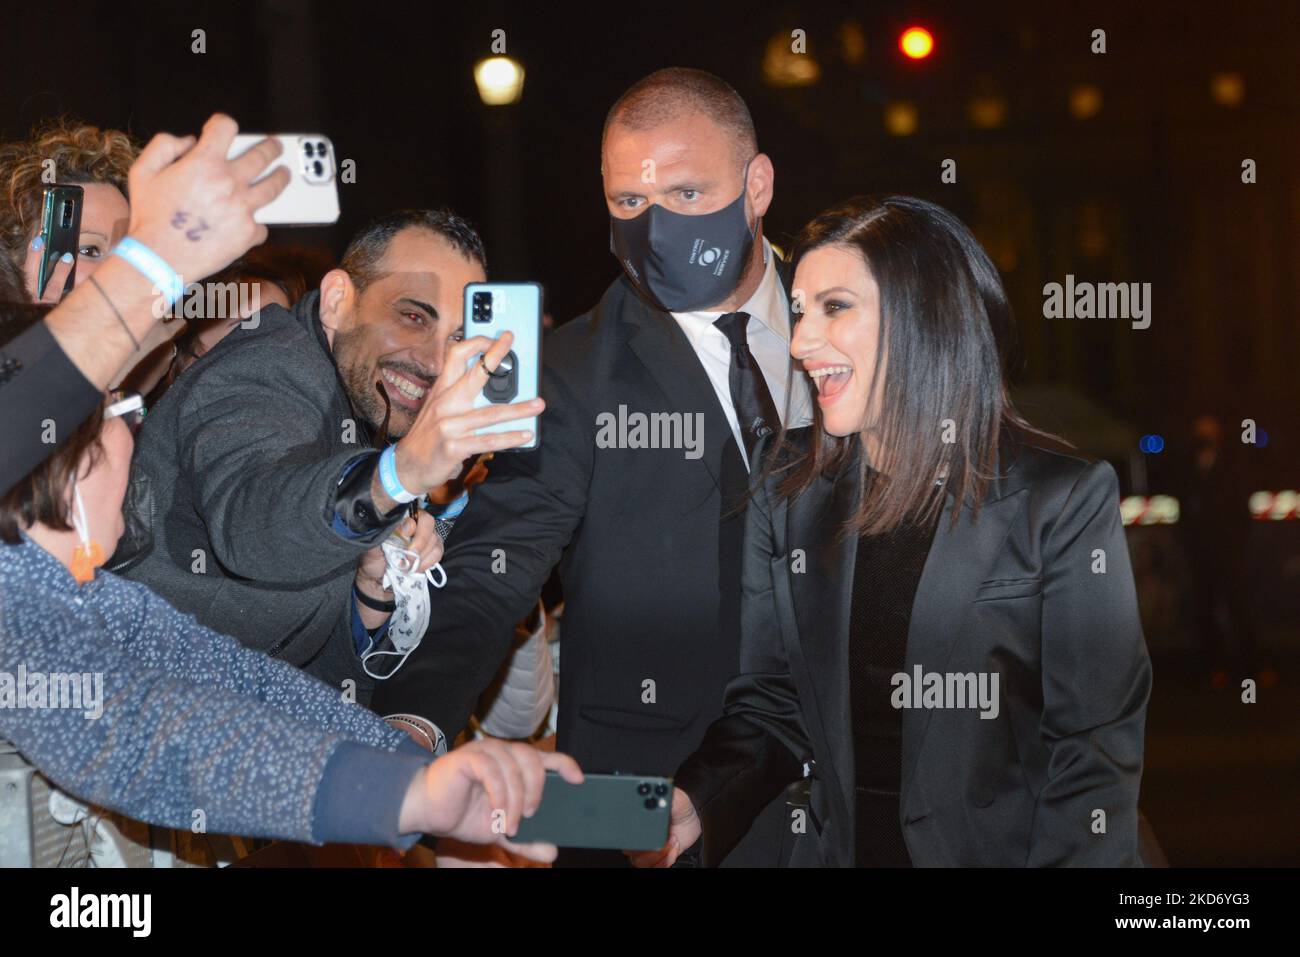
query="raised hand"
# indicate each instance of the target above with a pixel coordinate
(683, 831)
(192, 206)
(442, 437)
(481, 791)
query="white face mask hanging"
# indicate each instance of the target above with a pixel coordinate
(410, 620)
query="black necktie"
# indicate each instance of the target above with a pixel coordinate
(755, 410)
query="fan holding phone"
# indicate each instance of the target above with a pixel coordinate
(64, 203)
(108, 322)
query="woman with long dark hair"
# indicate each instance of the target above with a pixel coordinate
(941, 630)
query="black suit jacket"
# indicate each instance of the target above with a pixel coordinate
(239, 463)
(647, 649)
(42, 392)
(1018, 592)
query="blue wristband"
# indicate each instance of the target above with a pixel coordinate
(156, 269)
(388, 477)
(453, 508)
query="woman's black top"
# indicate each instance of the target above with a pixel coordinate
(885, 579)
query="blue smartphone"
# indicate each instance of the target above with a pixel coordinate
(492, 308)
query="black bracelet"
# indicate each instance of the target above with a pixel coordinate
(125, 328)
(375, 603)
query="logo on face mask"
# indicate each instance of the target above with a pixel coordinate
(660, 249)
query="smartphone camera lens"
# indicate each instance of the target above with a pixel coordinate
(67, 216)
(643, 789)
(481, 307)
(661, 789)
(651, 804)
(315, 161)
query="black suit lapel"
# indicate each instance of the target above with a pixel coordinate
(658, 341)
(959, 560)
(821, 603)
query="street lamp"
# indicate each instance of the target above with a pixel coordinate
(500, 80)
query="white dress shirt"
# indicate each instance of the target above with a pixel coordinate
(768, 333)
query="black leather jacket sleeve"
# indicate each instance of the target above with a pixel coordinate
(757, 747)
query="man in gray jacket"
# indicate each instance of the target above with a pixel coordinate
(257, 476)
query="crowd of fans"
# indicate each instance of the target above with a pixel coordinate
(237, 509)
(195, 721)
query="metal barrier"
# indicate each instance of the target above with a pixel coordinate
(40, 826)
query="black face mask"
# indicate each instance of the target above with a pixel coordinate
(681, 262)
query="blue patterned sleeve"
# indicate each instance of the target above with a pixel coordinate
(164, 749)
(174, 642)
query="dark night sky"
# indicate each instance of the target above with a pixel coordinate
(391, 83)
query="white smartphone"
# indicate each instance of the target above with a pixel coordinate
(312, 196)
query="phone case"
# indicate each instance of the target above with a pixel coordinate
(312, 196)
(61, 231)
(517, 307)
(613, 811)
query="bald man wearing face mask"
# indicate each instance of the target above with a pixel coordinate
(647, 538)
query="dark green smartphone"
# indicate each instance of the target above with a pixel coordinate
(622, 812)
(61, 231)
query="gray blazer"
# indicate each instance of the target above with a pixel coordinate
(232, 496)
(1017, 593)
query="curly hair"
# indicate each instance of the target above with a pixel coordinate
(81, 153)
(12, 288)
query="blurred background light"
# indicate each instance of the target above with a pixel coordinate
(1149, 510)
(1152, 444)
(987, 112)
(1227, 88)
(917, 43)
(1280, 506)
(901, 118)
(1085, 101)
(782, 67)
(853, 43)
(500, 80)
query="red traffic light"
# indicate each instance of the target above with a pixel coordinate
(917, 43)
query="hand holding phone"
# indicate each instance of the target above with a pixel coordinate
(684, 830)
(448, 428)
(626, 812)
(60, 237)
(312, 196)
(493, 309)
(193, 206)
(61, 278)
(482, 791)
